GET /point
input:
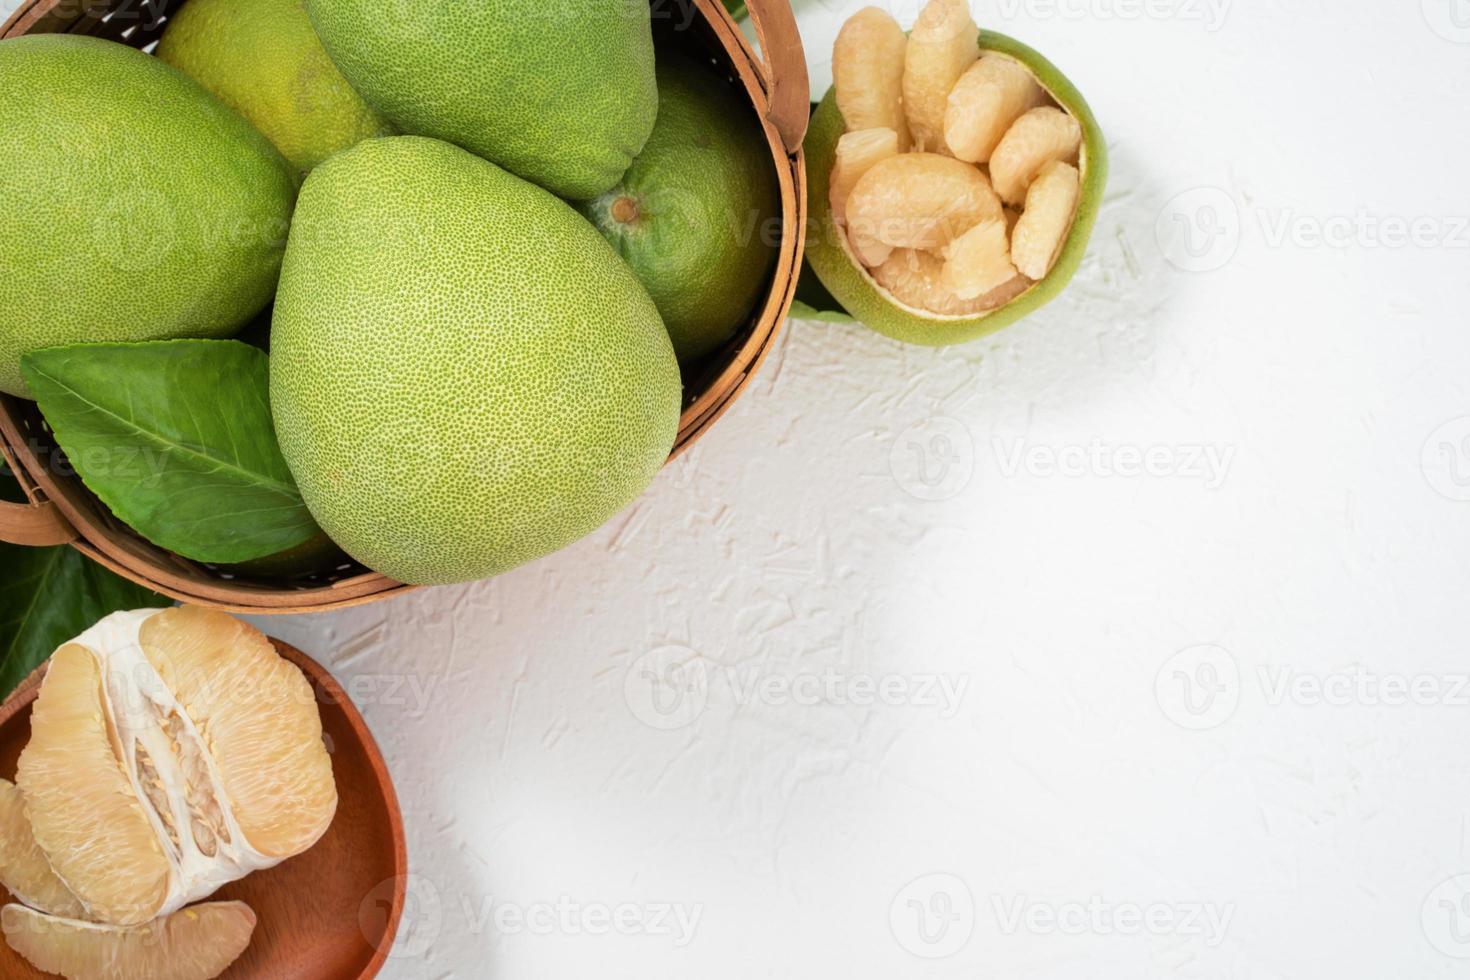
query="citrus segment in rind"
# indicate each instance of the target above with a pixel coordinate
(861, 291)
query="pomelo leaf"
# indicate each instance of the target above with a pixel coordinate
(49, 595)
(176, 438)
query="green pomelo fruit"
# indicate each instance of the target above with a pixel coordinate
(844, 277)
(262, 59)
(695, 216)
(464, 376)
(559, 93)
(138, 206)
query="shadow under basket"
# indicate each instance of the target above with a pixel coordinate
(63, 511)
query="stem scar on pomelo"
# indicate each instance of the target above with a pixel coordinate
(985, 218)
(696, 214)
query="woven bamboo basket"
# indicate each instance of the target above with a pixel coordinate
(63, 511)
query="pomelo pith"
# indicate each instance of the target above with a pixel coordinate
(464, 375)
(138, 206)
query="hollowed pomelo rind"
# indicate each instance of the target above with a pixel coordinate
(855, 289)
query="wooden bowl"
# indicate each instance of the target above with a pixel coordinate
(328, 914)
(63, 511)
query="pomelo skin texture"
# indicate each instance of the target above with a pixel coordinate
(137, 205)
(561, 93)
(855, 289)
(693, 215)
(262, 59)
(464, 375)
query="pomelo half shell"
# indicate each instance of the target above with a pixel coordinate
(831, 258)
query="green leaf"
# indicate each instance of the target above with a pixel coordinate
(736, 8)
(48, 596)
(176, 438)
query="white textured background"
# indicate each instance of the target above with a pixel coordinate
(1205, 718)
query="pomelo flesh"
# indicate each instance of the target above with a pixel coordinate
(24, 871)
(196, 943)
(905, 298)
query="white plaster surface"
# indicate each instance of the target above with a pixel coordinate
(1208, 721)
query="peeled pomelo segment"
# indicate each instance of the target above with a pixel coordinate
(979, 261)
(1051, 204)
(195, 943)
(257, 715)
(83, 809)
(857, 152)
(916, 279)
(24, 870)
(917, 200)
(867, 71)
(1036, 139)
(943, 43)
(991, 95)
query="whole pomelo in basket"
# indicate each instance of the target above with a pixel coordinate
(263, 59)
(560, 93)
(890, 307)
(464, 376)
(138, 206)
(694, 214)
